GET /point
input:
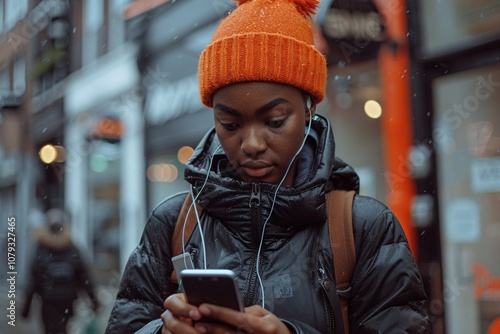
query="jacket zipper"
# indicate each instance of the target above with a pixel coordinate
(194, 254)
(254, 204)
(255, 195)
(327, 286)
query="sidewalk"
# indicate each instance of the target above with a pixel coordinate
(78, 324)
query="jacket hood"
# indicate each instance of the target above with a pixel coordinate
(226, 196)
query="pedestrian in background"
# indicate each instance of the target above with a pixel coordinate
(261, 176)
(58, 274)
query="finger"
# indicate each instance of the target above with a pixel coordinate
(164, 330)
(176, 298)
(176, 303)
(256, 310)
(231, 317)
(255, 319)
(173, 324)
(203, 327)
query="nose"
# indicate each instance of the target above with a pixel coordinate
(253, 142)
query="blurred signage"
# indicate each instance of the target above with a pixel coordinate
(485, 175)
(486, 285)
(354, 31)
(171, 100)
(138, 7)
(108, 128)
(481, 142)
(462, 221)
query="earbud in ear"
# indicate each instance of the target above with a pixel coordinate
(310, 109)
(309, 103)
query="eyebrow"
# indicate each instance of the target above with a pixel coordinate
(260, 110)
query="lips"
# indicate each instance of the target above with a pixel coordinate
(256, 168)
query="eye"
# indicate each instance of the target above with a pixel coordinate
(276, 123)
(229, 126)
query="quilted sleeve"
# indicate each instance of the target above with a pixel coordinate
(146, 280)
(387, 290)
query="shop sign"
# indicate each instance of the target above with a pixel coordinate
(108, 128)
(354, 30)
(486, 285)
(171, 100)
(485, 175)
(462, 221)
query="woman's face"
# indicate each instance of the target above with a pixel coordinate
(261, 126)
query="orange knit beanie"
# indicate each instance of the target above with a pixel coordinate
(264, 40)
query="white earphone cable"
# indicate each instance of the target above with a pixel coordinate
(194, 199)
(261, 284)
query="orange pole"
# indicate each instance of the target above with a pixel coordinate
(397, 133)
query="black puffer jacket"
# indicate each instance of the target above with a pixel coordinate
(387, 292)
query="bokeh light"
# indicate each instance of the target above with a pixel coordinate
(373, 109)
(162, 173)
(52, 153)
(98, 163)
(61, 153)
(184, 154)
(48, 154)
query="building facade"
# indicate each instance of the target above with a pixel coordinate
(455, 87)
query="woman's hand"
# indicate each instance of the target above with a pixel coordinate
(179, 317)
(255, 319)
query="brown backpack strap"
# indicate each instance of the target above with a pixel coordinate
(189, 227)
(339, 209)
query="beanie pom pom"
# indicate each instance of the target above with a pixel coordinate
(305, 7)
(240, 2)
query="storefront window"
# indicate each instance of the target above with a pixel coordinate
(165, 174)
(461, 23)
(104, 209)
(467, 139)
(350, 88)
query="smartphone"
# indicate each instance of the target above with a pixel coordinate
(212, 286)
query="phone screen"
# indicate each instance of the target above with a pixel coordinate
(212, 286)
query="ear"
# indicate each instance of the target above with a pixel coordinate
(310, 113)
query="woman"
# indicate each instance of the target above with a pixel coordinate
(261, 176)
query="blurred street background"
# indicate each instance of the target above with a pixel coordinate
(84, 321)
(99, 112)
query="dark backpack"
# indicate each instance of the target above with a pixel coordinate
(60, 271)
(339, 210)
(59, 274)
